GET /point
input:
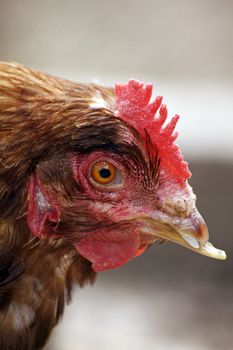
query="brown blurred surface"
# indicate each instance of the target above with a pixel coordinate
(184, 47)
(172, 39)
(169, 298)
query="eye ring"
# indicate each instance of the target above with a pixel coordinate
(103, 172)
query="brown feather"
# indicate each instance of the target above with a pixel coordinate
(36, 277)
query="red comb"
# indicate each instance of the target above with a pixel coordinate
(134, 106)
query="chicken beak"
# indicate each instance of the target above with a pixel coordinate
(190, 232)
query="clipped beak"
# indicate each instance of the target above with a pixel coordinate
(190, 232)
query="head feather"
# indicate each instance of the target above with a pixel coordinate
(134, 105)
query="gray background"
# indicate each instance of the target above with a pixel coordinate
(169, 298)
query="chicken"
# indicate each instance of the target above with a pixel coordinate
(90, 177)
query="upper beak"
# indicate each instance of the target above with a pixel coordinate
(190, 232)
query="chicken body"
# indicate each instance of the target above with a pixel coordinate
(36, 277)
(83, 188)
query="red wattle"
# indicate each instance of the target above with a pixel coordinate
(109, 249)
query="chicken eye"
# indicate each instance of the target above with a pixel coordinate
(103, 172)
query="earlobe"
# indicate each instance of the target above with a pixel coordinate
(40, 209)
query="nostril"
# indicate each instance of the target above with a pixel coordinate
(177, 207)
(181, 206)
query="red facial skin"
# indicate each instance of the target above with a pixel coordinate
(111, 248)
(106, 247)
(40, 207)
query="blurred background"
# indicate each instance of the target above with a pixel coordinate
(168, 298)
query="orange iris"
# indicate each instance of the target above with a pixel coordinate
(103, 172)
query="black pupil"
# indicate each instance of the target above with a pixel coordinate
(105, 173)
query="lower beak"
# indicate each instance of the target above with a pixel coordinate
(190, 232)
